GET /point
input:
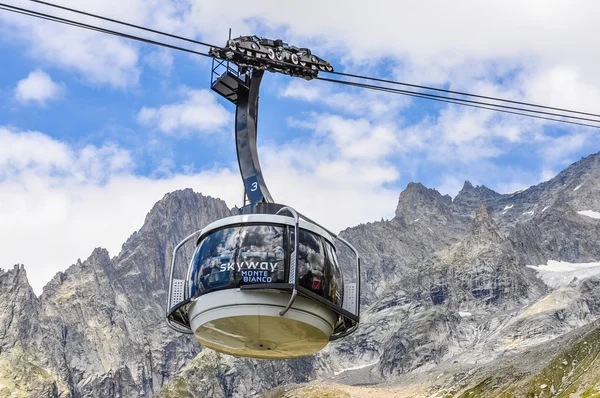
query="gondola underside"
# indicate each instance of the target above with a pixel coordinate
(249, 324)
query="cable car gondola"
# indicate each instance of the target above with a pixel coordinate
(265, 283)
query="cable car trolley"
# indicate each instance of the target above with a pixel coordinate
(272, 55)
(266, 283)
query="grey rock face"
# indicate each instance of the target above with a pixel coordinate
(470, 198)
(17, 300)
(425, 222)
(107, 315)
(559, 233)
(417, 201)
(474, 300)
(480, 275)
(444, 283)
(576, 186)
(481, 270)
(27, 345)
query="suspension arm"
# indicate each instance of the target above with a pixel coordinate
(246, 120)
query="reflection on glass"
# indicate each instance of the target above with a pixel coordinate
(235, 256)
(317, 272)
(231, 257)
(334, 271)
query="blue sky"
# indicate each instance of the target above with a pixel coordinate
(95, 129)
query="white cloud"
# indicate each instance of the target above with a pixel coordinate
(350, 160)
(547, 174)
(161, 60)
(22, 152)
(198, 112)
(31, 149)
(339, 176)
(70, 200)
(100, 58)
(65, 201)
(350, 101)
(450, 185)
(354, 138)
(559, 150)
(38, 87)
(474, 44)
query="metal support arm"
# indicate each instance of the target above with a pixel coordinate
(246, 120)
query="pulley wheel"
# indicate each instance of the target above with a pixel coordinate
(329, 68)
(232, 45)
(278, 56)
(271, 53)
(294, 59)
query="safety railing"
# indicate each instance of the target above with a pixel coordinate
(179, 293)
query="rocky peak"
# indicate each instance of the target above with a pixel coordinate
(482, 271)
(17, 272)
(467, 188)
(14, 282)
(99, 256)
(586, 165)
(469, 197)
(18, 304)
(418, 202)
(174, 217)
(483, 228)
(442, 287)
(184, 207)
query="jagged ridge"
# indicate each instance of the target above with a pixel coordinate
(445, 282)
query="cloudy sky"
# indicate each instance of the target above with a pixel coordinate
(95, 129)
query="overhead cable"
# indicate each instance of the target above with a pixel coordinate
(66, 21)
(490, 104)
(46, 3)
(418, 94)
(89, 14)
(448, 100)
(460, 93)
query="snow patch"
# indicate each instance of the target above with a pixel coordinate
(509, 207)
(415, 220)
(528, 213)
(339, 372)
(559, 273)
(577, 187)
(464, 314)
(545, 208)
(590, 213)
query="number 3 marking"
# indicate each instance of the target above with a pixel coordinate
(254, 186)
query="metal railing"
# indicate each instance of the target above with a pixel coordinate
(174, 326)
(292, 277)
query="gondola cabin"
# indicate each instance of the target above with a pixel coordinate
(265, 286)
(266, 283)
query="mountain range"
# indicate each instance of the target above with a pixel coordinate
(481, 295)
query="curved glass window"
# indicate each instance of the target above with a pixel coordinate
(257, 254)
(318, 271)
(231, 257)
(334, 275)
